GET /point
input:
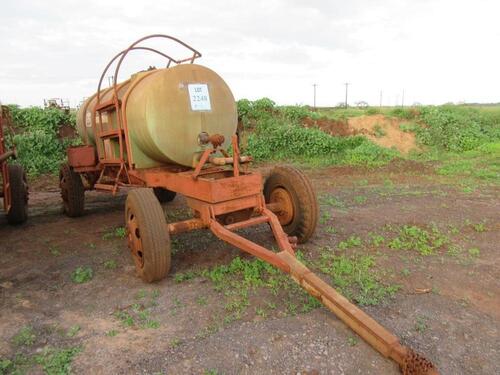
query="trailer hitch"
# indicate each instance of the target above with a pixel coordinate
(410, 362)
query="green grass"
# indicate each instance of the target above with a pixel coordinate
(422, 240)
(481, 164)
(110, 264)
(57, 361)
(82, 275)
(356, 277)
(25, 337)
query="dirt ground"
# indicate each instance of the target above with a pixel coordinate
(447, 306)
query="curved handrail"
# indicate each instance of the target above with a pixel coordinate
(132, 47)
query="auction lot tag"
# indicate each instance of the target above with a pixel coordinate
(199, 97)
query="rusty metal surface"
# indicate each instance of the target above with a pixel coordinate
(7, 199)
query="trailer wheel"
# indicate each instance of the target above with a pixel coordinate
(72, 191)
(164, 195)
(147, 235)
(298, 213)
(18, 212)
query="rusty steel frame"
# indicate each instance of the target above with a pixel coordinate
(212, 190)
(4, 156)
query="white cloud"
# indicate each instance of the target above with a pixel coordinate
(437, 51)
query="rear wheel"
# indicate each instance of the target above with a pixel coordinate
(292, 191)
(72, 191)
(147, 234)
(164, 195)
(18, 212)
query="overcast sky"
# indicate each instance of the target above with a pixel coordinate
(436, 51)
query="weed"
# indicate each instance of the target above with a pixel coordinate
(54, 251)
(180, 277)
(73, 331)
(82, 275)
(331, 230)
(356, 278)
(479, 227)
(175, 342)
(118, 232)
(125, 318)
(112, 333)
(377, 239)
(421, 240)
(474, 252)
(57, 361)
(378, 131)
(110, 264)
(211, 371)
(352, 341)
(405, 272)
(421, 324)
(360, 199)
(141, 294)
(352, 241)
(201, 300)
(259, 311)
(325, 217)
(25, 337)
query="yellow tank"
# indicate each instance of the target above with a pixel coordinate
(166, 110)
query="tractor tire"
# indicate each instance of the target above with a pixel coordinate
(18, 212)
(147, 235)
(72, 191)
(164, 195)
(293, 190)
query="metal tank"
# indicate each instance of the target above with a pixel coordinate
(166, 111)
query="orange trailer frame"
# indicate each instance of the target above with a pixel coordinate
(225, 197)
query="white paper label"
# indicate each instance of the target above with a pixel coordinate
(199, 97)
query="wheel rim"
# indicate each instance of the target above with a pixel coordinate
(134, 240)
(284, 199)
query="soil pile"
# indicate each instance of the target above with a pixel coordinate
(382, 130)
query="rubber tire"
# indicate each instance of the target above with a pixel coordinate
(18, 212)
(164, 195)
(154, 234)
(76, 192)
(305, 204)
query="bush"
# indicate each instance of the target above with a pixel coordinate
(457, 129)
(38, 146)
(277, 140)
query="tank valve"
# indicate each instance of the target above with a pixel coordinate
(216, 140)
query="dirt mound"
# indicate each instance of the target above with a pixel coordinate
(337, 128)
(382, 130)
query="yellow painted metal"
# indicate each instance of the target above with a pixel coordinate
(162, 126)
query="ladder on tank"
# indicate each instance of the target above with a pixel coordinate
(105, 140)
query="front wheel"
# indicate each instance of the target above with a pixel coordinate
(147, 234)
(18, 212)
(294, 195)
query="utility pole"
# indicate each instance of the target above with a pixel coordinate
(346, 85)
(314, 88)
(403, 99)
(380, 98)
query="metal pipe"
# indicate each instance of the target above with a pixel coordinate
(185, 226)
(223, 161)
(7, 155)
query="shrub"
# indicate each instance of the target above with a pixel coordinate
(38, 146)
